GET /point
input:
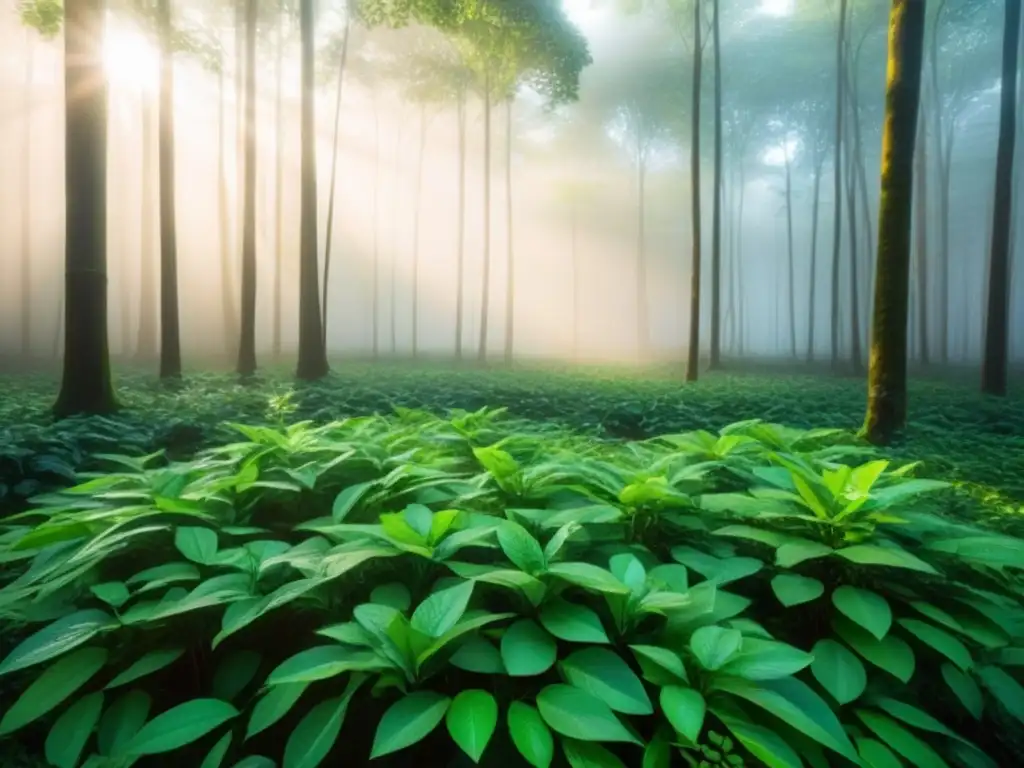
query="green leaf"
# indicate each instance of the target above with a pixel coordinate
(572, 623)
(273, 705)
(589, 577)
(559, 539)
(658, 752)
(196, 543)
(235, 673)
(761, 535)
(408, 721)
(67, 737)
(892, 557)
(478, 655)
(766, 660)
(122, 721)
(660, 665)
(471, 720)
(322, 662)
(684, 708)
(865, 608)
(586, 754)
(763, 743)
(911, 715)
(628, 569)
(314, 737)
(901, 740)
(1006, 690)
(53, 686)
(876, 755)
(151, 662)
(714, 646)
(217, 752)
(892, 653)
(795, 590)
(966, 690)
(838, 670)
(580, 715)
(394, 594)
(521, 548)
(795, 552)
(57, 638)
(347, 499)
(113, 593)
(442, 610)
(530, 734)
(604, 674)
(255, 761)
(527, 650)
(179, 726)
(941, 641)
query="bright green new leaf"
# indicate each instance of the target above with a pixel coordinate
(151, 662)
(442, 610)
(865, 608)
(68, 735)
(604, 674)
(587, 754)
(122, 721)
(838, 671)
(684, 708)
(760, 659)
(521, 548)
(52, 687)
(941, 641)
(530, 734)
(714, 646)
(471, 720)
(196, 543)
(57, 638)
(179, 726)
(408, 721)
(527, 650)
(273, 705)
(571, 622)
(792, 590)
(580, 715)
(589, 577)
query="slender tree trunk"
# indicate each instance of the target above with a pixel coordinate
(740, 312)
(642, 302)
(170, 333)
(485, 308)
(240, 11)
(86, 385)
(693, 351)
(510, 279)
(887, 375)
(716, 210)
(460, 297)
(837, 211)
(856, 354)
(791, 282)
(147, 339)
(229, 304)
(812, 292)
(375, 299)
(417, 206)
(997, 319)
(334, 173)
(279, 186)
(393, 256)
(576, 277)
(26, 202)
(921, 226)
(247, 347)
(940, 154)
(312, 363)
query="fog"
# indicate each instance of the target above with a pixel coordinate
(574, 187)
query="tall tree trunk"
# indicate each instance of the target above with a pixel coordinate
(510, 272)
(240, 25)
(837, 190)
(693, 350)
(170, 333)
(417, 207)
(247, 346)
(375, 298)
(576, 277)
(278, 186)
(812, 292)
(740, 313)
(460, 287)
(86, 385)
(312, 363)
(791, 282)
(716, 206)
(26, 202)
(393, 254)
(856, 354)
(643, 309)
(146, 344)
(228, 301)
(921, 227)
(887, 374)
(941, 142)
(485, 295)
(334, 171)
(997, 318)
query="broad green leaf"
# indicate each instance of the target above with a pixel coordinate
(408, 721)
(865, 608)
(273, 705)
(760, 659)
(658, 752)
(659, 665)
(750, 533)
(347, 499)
(113, 593)
(478, 655)
(442, 610)
(314, 737)
(892, 653)
(217, 752)
(527, 650)
(394, 594)
(838, 671)
(67, 737)
(795, 552)
(911, 715)
(628, 569)
(234, 673)
(763, 743)
(571, 622)
(53, 686)
(684, 708)
(587, 754)
(714, 646)
(521, 548)
(892, 557)
(795, 590)
(1005, 689)
(122, 721)
(196, 543)
(420, 519)
(179, 726)
(589, 577)
(580, 715)
(604, 674)
(559, 539)
(57, 638)
(876, 755)
(901, 740)
(471, 720)
(966, 690)
(941, 641)
(530, 734)
(151, 662)
(322, 662)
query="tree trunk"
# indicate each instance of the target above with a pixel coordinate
(642, 301)
(812, 292)
(86, 385)
(510, 274)
(146, 346)
(693, 350)
(334, 173)
(740, 314)
(791, 287)
(417, 206)
(837, 210)
(375, 299)
(393, 254)
(278, 187)
(921, 226)
(856, 354)
(247, 346)
(170, 333)
(887, 375)
(312, 363)
(716, 209)
(485, 289)
(228, 301)
(943, 214)
(997, 319)
(460, 298)
(26, 203)
(576, 276)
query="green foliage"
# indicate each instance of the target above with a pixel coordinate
(475, 585)
(45, 16)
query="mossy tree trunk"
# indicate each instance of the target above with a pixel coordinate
(86, 385)
(170, 334)
(887, 373)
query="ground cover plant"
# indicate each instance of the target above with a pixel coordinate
(488, 589)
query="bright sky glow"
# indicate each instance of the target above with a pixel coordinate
(775, 156)
(777, 7)
(129, 58)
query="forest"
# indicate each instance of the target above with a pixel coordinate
(577, 383)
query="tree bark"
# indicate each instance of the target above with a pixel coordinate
(86, 386)
(997, 321)
(740, 314)
(510, 274)
(393, 255)
(460, 298)
(921, 227)
(693, 350)
(146, 345)
(417, 207)
(812, 292)
(791, 281)
(170, 332)
(837, 210)
(278, 187)
(228, 300)
(887, 374)
(485, 295)
(856, 353)
(716, 209)
(247, 346)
